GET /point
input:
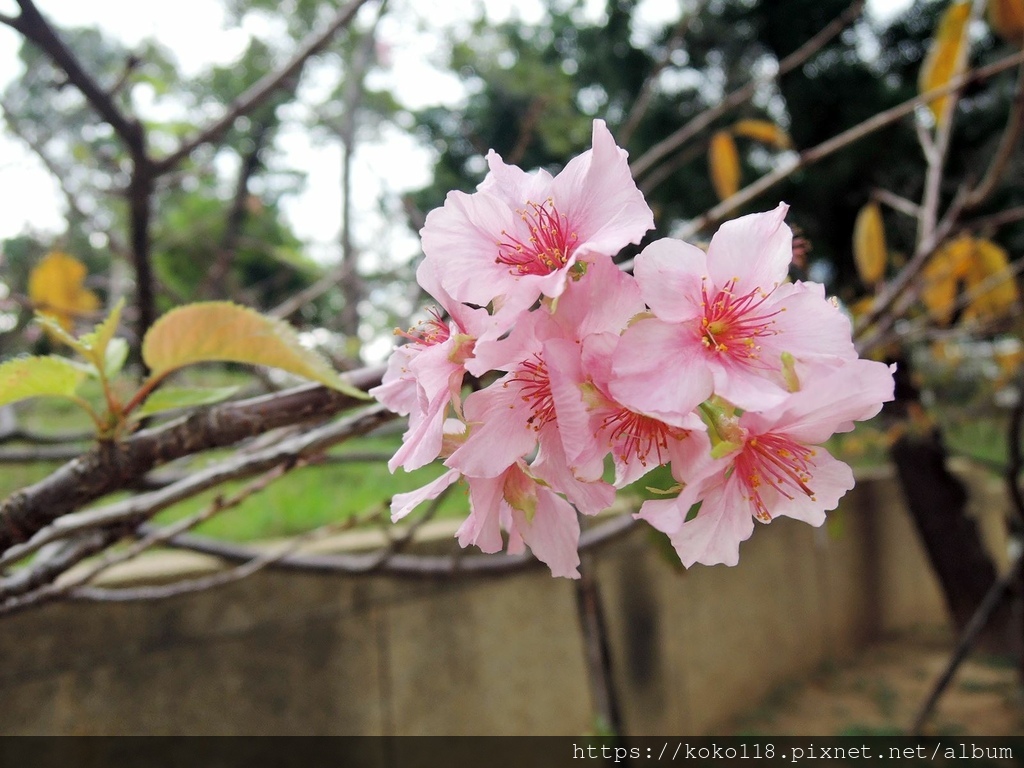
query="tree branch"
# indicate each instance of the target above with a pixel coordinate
(262, 89)
(643, 99)
(237, 214)
(674, 140)
(842, 140)
(139, 508)
(405, 566)
(110, 466)
(36, 28)
(1007, 143)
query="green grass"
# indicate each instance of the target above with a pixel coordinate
(301, 500)
(313, 496)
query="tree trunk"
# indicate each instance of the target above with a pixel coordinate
(937, 501)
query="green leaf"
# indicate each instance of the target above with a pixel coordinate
(170, 398)
(25, 377)
(114, 358)
(95, 343)
(225, 332)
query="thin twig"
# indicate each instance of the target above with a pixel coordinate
(673, 141)
(108, 467)
(1007, 144)
(967, 639)
(455, 565)
(31, 23)
(262, 89)
(143, 506)
(643, 99)
(896, 202)
(841, 141)
(160, 535)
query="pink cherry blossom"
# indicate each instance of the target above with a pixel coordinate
(520, 235)
(507, 419)
(775, 466)
(532, 514)
(424, 377)
(726, 318)
(593, 425)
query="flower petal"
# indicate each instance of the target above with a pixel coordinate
(404, 503)
(659, 370)
(756, 250)
(669, 275)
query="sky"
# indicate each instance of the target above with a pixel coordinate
(196, 32)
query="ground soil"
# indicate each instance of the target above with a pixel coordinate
(880, 691)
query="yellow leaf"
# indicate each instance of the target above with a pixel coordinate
(226, 332)
(56, 288)
(763, 131)
(869, 251)
(940, 65)
(862, 306)
(990, 283)
(25, 377)
(942, 274)
(724, 160)
(1006, 17)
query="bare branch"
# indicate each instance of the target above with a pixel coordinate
(405, 566)
(996, 220)
(110, 466)
(257, 563)
(1007, 143)
(968, 637)
(743, 94)
(842, 140)
(918, 328)
(644, 98)
(237, 214)
(262, 89)
(36, 28)
(896, 202)
(49, 565)
(139, 508)
(936, 147)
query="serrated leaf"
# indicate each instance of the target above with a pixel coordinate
(172, 398)
(1006, 17)
(990, 283)
(945, 54)
(763, 131)
(724, 162)
(220, 331)
(56, 287)
(26, 377)
(870, 254)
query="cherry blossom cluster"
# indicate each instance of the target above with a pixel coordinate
(588, 377)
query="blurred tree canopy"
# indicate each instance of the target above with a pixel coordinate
(531, 92)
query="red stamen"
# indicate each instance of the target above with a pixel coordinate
(732, 324)
(535, 388)
(548, 247)
(428, 332)
(634, 434)
(777, 461)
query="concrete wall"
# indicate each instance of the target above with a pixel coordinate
(292, 654)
